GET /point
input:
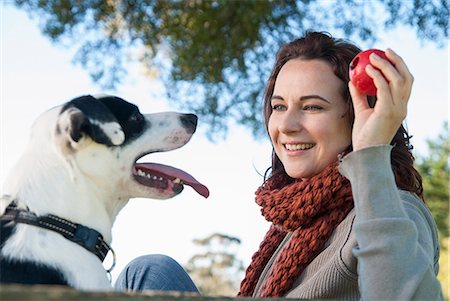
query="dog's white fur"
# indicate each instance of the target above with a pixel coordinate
(82, 181)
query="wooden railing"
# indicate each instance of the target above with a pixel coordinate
(53, 293)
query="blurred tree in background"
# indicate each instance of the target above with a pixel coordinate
(434, 169)
(214, 56)
(217, 270)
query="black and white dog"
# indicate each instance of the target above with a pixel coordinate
(79, 170)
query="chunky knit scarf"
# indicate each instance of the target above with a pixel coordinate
(310, 208)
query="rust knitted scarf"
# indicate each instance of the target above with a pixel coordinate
(310, 208)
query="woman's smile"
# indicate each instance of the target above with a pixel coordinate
(298, 146)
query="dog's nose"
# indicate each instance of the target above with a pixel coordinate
(189, 122)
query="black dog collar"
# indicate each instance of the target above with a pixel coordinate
(88, 238)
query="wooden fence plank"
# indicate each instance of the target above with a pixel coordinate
(53, 293)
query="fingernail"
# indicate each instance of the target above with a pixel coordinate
(375, 56)
(370, 67)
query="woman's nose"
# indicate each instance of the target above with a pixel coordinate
(290, 122)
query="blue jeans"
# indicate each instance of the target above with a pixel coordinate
(154, 272)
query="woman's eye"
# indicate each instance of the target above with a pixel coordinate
(279, 108)
(312, 108)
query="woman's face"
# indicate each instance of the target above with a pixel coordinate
(309, 125)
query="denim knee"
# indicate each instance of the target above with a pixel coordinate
(155, 272)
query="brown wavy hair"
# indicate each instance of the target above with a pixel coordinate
(339, 53)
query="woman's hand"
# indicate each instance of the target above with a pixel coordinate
(378, 125)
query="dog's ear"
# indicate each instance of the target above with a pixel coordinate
(88, 116)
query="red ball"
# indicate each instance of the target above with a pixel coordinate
(357, 71)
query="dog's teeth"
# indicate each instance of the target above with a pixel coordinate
(177, 181)
(150, 176)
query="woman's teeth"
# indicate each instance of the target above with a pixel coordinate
(293, 147)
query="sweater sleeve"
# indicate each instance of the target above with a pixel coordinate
(397, 246)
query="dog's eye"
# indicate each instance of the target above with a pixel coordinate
(136, 118)
(134, 125)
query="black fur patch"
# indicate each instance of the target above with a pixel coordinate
(109, 109)
(128, 115)
(25, 272)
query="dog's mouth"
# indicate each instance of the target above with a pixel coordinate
(166, 177)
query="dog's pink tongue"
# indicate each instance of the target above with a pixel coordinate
(172, 173)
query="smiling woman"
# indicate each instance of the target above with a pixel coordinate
(309, 123)
(344, 216)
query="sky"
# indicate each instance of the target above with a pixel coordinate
(36, 75)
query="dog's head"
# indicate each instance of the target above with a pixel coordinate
(102, 138)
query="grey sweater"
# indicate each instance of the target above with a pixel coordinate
(386, 248)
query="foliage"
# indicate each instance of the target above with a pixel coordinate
(444, 267)
(214, 55)
(434, 169)
(217, 271)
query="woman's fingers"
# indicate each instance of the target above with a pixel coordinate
(359, 100)
(407, 79)
(399, 64)
(386, 104)
(382, 84)
(395, 73)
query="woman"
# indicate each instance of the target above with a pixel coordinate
(353, 228)
(343, 197)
